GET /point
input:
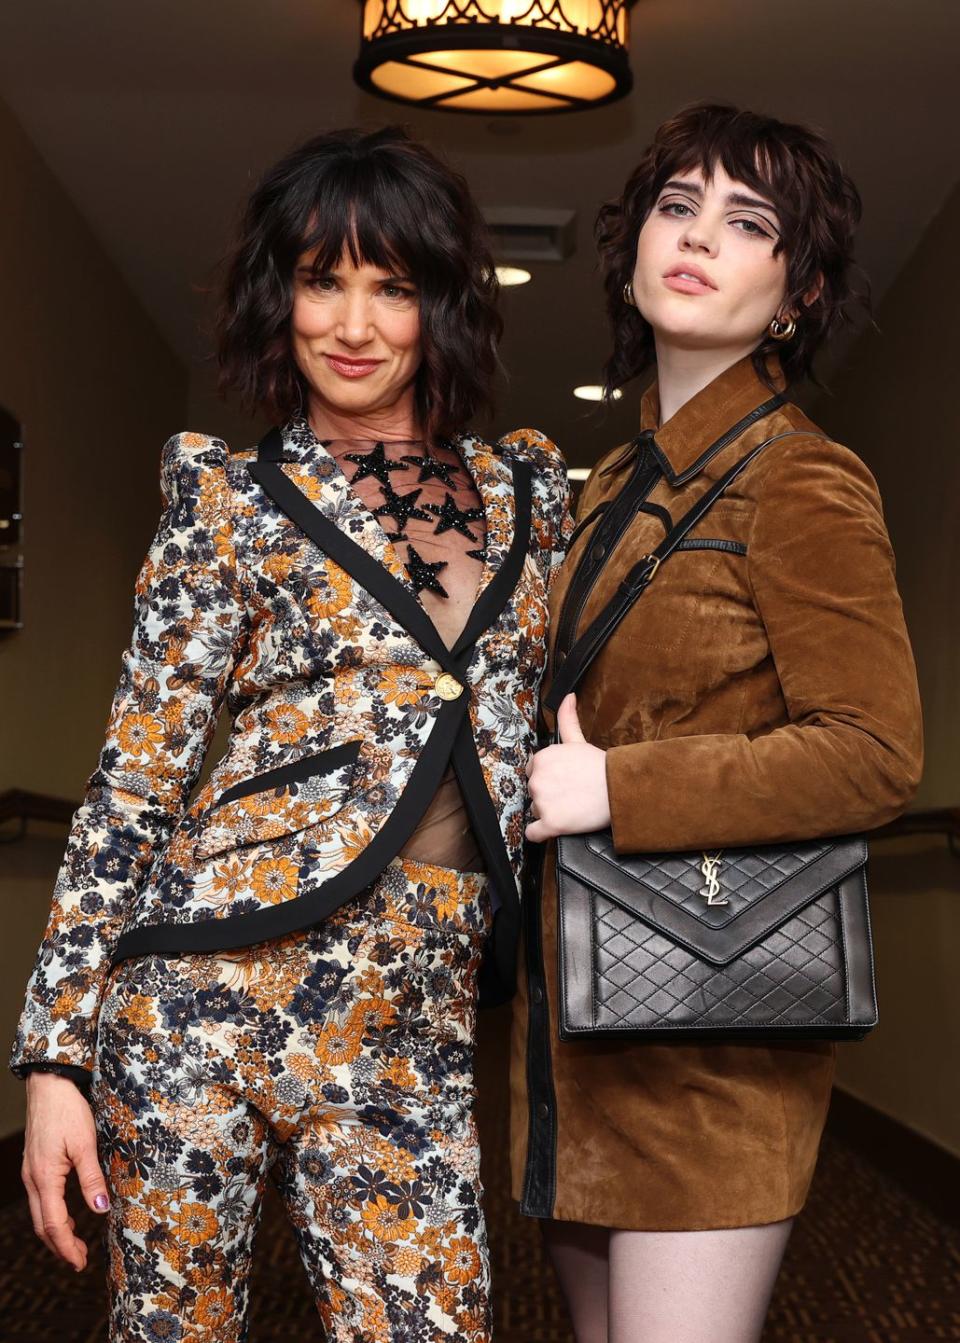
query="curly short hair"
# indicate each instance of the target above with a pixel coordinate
(382, 198)
(797, 171)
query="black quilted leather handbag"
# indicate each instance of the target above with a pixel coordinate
(760, 942)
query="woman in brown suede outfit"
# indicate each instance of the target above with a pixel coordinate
(763, 690)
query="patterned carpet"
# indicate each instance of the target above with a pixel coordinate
(866, 1264)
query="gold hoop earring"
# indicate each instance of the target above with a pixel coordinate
(782, 330)
(628, 298)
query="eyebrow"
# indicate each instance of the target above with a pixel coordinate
(392, 277)
(734, 198)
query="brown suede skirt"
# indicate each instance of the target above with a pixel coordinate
(665, 1137)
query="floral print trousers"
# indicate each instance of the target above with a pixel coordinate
(339, 1059)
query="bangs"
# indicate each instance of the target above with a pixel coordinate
(763, 162)
(365, 213)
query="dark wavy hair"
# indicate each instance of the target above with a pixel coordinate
(817, 204)
(385, 199)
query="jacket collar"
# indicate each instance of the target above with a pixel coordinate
(707, 422)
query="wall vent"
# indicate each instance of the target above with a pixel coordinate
(526, 233)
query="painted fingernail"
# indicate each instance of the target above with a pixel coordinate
(101, 1202)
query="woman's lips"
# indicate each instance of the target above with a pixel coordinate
(352, 368)
(687, 284)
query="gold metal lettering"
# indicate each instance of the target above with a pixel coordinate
(711, 890)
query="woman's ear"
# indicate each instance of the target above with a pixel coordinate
(814, 292)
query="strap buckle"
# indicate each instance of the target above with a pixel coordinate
(641, 574)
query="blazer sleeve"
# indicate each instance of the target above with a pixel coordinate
(850, 757)
(189, 630)
(553, 522)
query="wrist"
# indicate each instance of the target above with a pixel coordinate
(60, 1072)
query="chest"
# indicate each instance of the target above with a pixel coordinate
(433, 515)
(693, 634)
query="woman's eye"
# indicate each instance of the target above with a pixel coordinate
(396, 291)
(322, 283)
(752, 227)
(677, 208)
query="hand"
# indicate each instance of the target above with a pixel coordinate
(567, 783)
(60, 1134)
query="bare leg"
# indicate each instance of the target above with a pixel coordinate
(579, 1256)
(693, 1286)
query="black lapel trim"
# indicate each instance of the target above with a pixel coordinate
(358, 563)
(500, 589)
(270, 448)
(242, 930)
(500, 977)
(733, 432)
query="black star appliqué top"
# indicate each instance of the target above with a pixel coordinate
(374, 463)
(431, 468)
(449, 517)
(424, 575)
(401, 507)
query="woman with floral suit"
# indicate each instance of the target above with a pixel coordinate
(283, 973)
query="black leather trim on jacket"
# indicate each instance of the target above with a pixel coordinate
(540, 1175)
(657, 511)
(608, 533)
(765, 408)
(584, 523)
(298, 771)
(713, 543)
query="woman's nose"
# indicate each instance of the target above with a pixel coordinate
(354, 326)
(699, 236)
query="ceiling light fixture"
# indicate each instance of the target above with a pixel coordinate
(592, 391)
(512, 275)
(495, 56)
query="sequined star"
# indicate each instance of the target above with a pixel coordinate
(480, 554)
(401, 507)
(432, 468)
(450, 517)
(374, 463)
(424, 575)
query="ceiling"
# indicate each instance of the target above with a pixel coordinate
(158, 117)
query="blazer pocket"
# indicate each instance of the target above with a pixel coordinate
(279, 801)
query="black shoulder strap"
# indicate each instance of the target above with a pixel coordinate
(639, 577)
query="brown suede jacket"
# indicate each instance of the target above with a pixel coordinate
(760, 691)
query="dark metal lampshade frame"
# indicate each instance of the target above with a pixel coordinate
(554, 36)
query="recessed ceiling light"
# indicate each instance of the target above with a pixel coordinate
(592, 391)
(510, 275)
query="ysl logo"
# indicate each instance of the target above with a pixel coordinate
(712, 889)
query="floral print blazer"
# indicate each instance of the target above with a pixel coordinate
(270, 586)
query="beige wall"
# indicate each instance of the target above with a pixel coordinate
(896, 404)
(98, 391)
